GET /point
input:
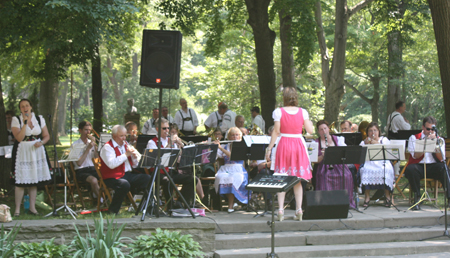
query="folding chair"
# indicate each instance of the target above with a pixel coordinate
(82, 188)
(104, 190)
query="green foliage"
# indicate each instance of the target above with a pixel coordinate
(43, 249)
(7, 245)
(101, 244)
(165, 244)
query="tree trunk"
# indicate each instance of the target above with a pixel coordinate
(376, 98)
(135, 66)
(264, 41)
(5, 164)
(440, 12)
(287, 58)
(62, 107)
(395, 70)
(333, 78)
(48, 95)
(12, 98)
(112, 78)
(97, 91)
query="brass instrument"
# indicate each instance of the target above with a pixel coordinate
(333, 128)
(362, 129)
(256, 130)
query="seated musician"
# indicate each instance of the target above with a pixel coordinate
(377, 174)
(435, 166)
(232, 177)
(132, 133)
(117, 161)
(329, 177)
(84, 167)
(184, 176)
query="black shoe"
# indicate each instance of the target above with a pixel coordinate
(416, 200)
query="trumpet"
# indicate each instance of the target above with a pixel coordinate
(133, 150)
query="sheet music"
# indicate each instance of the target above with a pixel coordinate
(165, 159)
(399, 142)
(313, 151)
(261, 139)
(430, 146)
(74, 153)
(391, 152)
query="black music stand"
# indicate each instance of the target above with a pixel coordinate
(196, 155)
(345, 155)
(142, 141)
(405, 134)
(384, 154)
(158, 159)
(351, 139)
(194, 139)
(240, 150)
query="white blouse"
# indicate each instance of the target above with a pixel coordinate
(36, 129)
(277, 114)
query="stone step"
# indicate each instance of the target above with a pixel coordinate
(358, 250)
(336, 237)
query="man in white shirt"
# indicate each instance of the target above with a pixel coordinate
(257, 119)
(223, 118)
(149, 126)
(186, 119)
(84, 167)
(434, 161)
(396, 121)
(165, 114)
(117, 162)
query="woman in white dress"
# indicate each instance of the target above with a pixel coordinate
(377, 174)
(30, 161)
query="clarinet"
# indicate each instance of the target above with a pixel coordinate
(330, 167)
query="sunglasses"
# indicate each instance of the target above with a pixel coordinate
(165, 128)
(428, 129)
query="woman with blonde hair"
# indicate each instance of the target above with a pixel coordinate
(232, 177)
(291, 156)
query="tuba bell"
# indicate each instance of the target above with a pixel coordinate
(256, 130)
(333, 128)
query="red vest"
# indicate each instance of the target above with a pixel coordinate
(415, 161)
(117, 172)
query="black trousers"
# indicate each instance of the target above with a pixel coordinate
(133, 182)
(415, 172)
(186, 178)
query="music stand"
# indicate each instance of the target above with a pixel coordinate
(345, 155)
(351, 139)
(196, 155)
(158, 159)
(405, 134)
(70, 155)
(142, 142)
(385, 152)
(425, 146)
(194, 139)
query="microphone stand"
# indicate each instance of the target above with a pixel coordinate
(445, 234)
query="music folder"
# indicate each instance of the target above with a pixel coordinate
(142, 141)
(73, 153)
(313, 151)
(150, 156)
(351, 139)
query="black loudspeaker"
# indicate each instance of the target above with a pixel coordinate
(326, 204)
(160, 59)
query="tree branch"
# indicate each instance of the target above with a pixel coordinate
(357, 74)
(358, 92)
(358, 7)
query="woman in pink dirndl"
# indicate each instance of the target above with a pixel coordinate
(291, 155)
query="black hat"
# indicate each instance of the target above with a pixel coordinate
(256, 109)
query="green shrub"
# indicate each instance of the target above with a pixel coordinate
(45, 248)
(101, 244)
(7, 245)
(165, 244)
